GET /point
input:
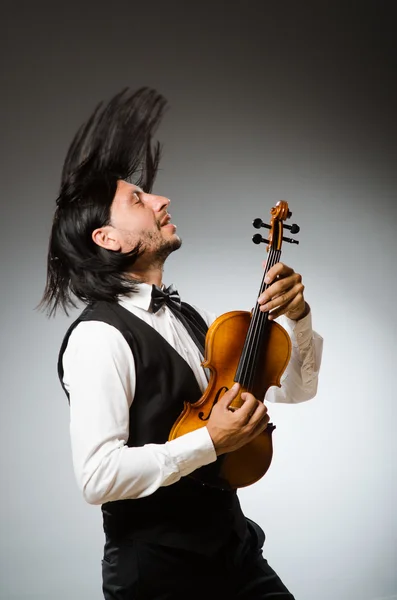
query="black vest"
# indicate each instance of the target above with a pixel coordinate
(193, 513)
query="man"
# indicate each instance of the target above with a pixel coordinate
(132, 358)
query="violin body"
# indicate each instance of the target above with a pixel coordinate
(224, 342)
(252, 350)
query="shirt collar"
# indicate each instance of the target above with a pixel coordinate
(142, 298)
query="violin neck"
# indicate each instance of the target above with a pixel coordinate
(256, 335)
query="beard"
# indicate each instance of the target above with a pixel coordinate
(153, 248)
(156, 249)
(165, 249)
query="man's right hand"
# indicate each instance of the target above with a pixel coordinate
(231, 429)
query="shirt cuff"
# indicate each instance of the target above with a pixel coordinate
(301, 330)
(192, 450)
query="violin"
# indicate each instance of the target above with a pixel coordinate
(252, 350)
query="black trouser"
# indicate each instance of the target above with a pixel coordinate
(138, 570)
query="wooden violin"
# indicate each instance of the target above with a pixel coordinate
(250, 349)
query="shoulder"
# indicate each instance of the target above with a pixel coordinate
(95, 338)
(96, 357)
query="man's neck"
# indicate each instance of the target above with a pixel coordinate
(150, 276)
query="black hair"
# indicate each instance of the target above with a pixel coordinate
(114, 143)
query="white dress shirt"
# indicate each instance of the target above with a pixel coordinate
(99, 374)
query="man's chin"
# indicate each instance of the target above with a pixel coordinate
(168, 247)
(177, 243)
(174, 244)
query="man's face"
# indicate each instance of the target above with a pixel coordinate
(139, 217)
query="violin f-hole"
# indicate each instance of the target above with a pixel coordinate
(217, 396)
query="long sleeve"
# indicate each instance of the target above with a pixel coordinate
(99, 374)
(300, 379)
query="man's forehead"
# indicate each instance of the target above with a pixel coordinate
(128, 185)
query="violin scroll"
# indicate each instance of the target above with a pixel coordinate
(279, 213)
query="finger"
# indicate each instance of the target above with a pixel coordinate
(276, 301)
(290, 307)
(279, 287)
(258, 421)
(229, 396)
(247, 409)
(259, 414)
(286, 296)
(261, 424)
(278, 270)
(275, 289)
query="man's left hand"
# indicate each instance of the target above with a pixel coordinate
(284, 296)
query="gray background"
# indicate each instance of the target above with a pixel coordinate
(268, 101)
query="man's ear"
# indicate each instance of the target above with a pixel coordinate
(107, 238)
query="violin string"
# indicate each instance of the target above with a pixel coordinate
(259, 325)
(259, 321)
(246, 356)
(255, 332)
(252, 336)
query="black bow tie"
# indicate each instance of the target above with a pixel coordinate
(171, 298)
(167, 296)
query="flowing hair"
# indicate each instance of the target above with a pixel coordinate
(114, 143)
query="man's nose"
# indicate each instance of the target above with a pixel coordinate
(157, 203)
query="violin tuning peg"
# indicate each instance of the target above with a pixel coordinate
(257, 239)
(258, 223)
(293, 228)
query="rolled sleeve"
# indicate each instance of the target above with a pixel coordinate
(299, 381)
